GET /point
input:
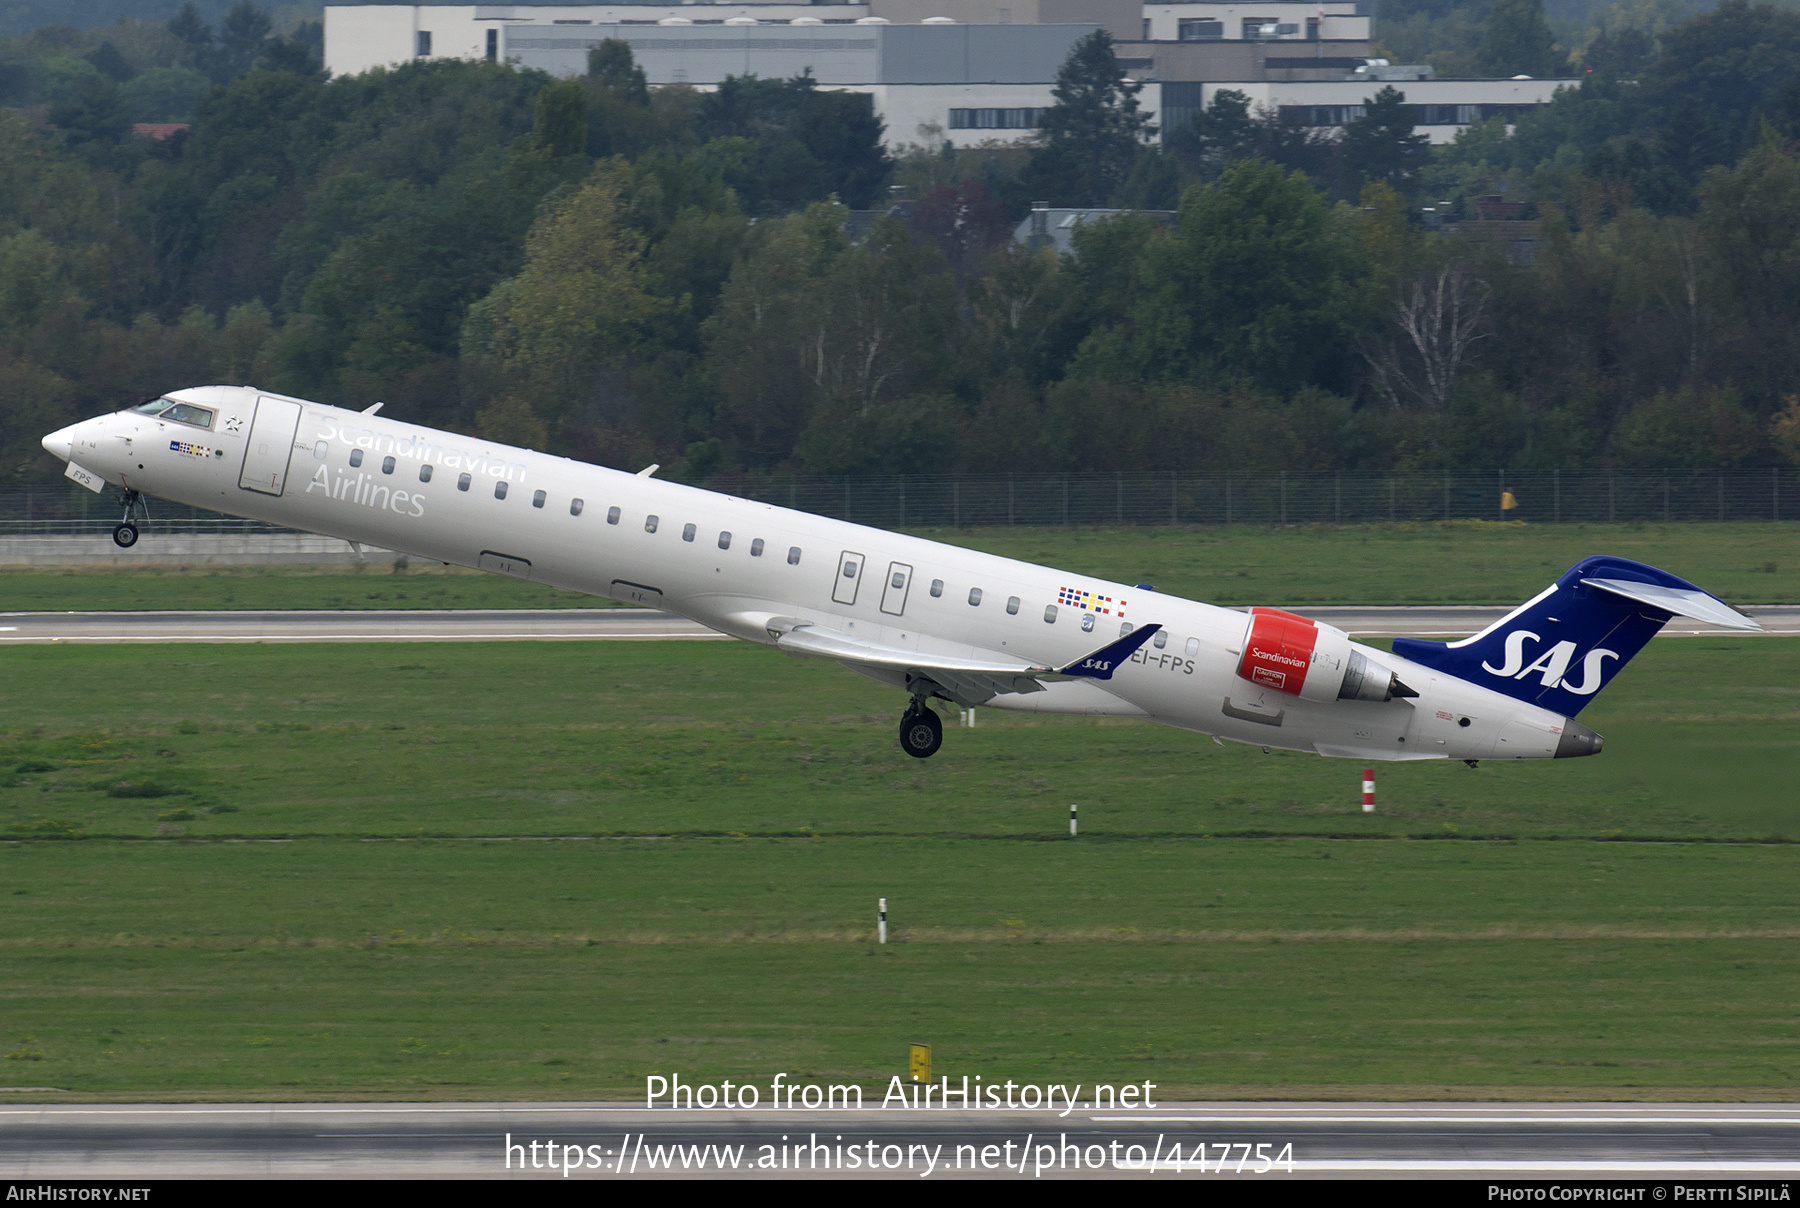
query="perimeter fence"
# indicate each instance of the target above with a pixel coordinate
(918, 501)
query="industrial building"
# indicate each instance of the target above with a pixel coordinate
(966, 71)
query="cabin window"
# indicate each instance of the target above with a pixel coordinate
(1012, 606)
(899, 580)
(462, 482)
(794, 555)
(575, 506)
(1049, 614)
(1161, 639)
(756, 548)
(687, 532)
(1125, 627)
(974, 597)
(612, 515)
(387, 465)
(1193, 646)
(937, 588)
(724, 540)
(320, 449)
(537, 499)
(424, 473)
(356, 458)
(500, 490)
(649, 524)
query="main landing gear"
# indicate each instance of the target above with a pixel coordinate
(125, 533)
(921, 730)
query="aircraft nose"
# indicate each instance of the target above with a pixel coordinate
(62, 442)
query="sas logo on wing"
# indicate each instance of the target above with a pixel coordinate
(1552, 664)
(181, 446)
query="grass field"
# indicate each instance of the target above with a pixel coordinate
(1468, 562)
(719, 739)
(539, 870)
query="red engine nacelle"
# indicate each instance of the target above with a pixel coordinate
(1278, 650)
(1298, 657)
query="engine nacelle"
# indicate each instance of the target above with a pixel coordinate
(1300, 657)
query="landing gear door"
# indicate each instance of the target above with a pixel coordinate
(269, 446)
(848, 578)
(893, 592)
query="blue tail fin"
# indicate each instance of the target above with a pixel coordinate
(1560, 648)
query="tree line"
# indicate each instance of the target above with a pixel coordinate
(744, 281)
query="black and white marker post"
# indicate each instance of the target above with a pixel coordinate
(881, 925)
(1071, 819)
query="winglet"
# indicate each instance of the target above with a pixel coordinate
(650, 469)
(1103, 662)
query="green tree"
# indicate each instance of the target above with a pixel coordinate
(765, 339)
(1518, 41)
(1249, 287)
(1091, 136)
(241, 37)
(802, 143)
(1720, 75)
(611, 66)
(568, 322)
(559, 125)
(1749, 218)
(1221, 134)
(163, 94)
(1381, 146)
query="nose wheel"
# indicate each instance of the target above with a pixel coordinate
(921, 732)
(125, 533)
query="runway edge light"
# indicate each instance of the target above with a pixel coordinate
(919, 1062)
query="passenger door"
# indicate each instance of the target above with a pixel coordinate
(270, 445)
(893, 593)
(848, 579)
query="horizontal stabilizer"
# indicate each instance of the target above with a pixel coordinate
(1103, 662)
(1683, 602)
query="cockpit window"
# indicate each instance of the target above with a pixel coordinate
(187, 413)
(153, 406)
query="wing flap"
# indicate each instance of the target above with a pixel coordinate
(963, 678)
(809, 639)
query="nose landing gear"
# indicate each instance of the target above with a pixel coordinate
(125, 533)
(921, 731)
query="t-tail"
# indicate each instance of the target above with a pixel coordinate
(1560, 648)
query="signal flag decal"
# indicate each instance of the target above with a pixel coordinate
(1103, 662)
(1090, 601)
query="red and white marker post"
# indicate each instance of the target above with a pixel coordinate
(1368, 790)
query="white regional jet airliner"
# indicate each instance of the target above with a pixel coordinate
(934, 621)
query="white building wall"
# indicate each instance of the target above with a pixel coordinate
(357, 39)
(1163, 21)
(1418, 92)
(920, 113)
(386, 35)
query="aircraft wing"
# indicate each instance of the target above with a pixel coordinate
(964, 679)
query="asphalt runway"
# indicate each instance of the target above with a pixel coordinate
(632, 624)
(1516, 1141)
